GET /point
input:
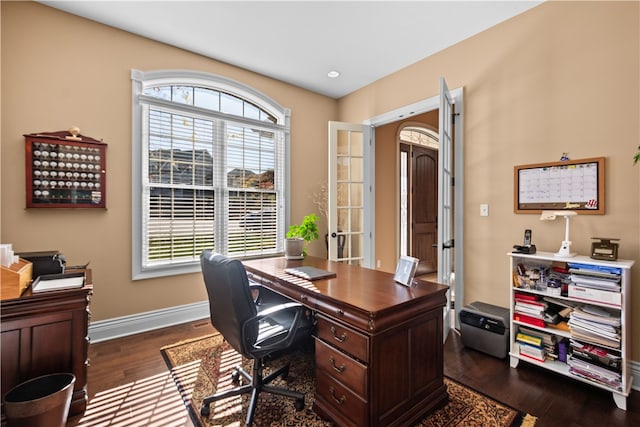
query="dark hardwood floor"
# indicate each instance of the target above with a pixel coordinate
(129, 385)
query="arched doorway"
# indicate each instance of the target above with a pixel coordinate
(419, 145)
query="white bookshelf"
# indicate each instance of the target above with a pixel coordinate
(623, 310)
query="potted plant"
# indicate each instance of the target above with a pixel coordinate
(299, 236)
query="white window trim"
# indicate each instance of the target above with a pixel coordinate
(141, 79)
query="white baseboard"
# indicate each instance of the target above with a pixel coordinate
(635, 373)
(128, 325)
(103, 330)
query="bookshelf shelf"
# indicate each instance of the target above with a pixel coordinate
(563, 369)
(592, 340)
(557, 332)
(560, 297)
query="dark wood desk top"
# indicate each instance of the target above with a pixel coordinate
(369, 297)
(41, 300)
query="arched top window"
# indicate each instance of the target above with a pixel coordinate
(209, 171)
(210, 99)
(419, 135)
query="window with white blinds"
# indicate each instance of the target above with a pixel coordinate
(209, 171)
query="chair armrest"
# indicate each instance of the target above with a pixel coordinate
(287, 339)
(268, 312)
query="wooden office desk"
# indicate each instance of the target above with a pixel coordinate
(46, 333)
(379, 359)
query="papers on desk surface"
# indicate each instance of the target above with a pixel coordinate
(310, 273)
(54, 282)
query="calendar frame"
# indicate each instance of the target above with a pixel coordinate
(594, 206)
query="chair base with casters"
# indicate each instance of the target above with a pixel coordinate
(257, 384)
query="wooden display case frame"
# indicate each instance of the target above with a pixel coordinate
(65, 171)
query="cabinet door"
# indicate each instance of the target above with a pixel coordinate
(10, 366)
(51, 347)
(36, 346)
(407, 365)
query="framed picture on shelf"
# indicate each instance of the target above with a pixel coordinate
(406, 270)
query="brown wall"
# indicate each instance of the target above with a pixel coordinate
(60, 70)
(562, 77)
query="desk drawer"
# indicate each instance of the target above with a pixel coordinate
(346, 339)
(340, 399)
(348, 371)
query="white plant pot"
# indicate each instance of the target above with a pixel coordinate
(293, 248)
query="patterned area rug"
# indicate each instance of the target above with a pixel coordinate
(203, 365)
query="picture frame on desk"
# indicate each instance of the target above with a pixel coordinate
(406, 270)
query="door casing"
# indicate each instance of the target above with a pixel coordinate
(420, 107)
(407, 111)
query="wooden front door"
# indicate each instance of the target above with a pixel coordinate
(424, 209)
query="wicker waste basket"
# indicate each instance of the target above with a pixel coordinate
(40, 402)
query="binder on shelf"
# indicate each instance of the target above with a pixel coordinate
(529, 339)
(533, 352)
(519, 317)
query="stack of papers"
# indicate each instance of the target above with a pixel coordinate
(54, 282)
(595, 373)
(595, 277)
(595, 325)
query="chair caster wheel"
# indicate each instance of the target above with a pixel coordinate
(204, 410)
(235, 377)
(299, 404)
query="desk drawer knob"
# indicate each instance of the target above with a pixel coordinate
(340, 368)
(341, 338)
(339, 400)
(303, 298)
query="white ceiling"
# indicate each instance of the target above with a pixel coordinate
(300, 41)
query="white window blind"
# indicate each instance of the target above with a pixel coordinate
(212, 174)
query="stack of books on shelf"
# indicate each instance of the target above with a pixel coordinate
(596, 363)
(595, 325)
(530, 345)
(595, 283)
(529, 308)
(541, 311)
(536, 344)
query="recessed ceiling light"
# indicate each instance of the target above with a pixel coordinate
(333, 74)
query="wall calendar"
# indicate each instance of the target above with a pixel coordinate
(576, 185)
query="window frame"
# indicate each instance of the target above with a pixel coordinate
(140, 80)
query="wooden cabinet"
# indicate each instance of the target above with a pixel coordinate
(611, 334)
(47, 333)
(65, 171)
(379, 349)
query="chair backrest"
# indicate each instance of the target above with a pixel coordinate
(230, 301)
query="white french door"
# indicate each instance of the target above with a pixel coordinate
(445, 198)
(350, 194)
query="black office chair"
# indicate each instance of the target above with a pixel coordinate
(254, 328)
